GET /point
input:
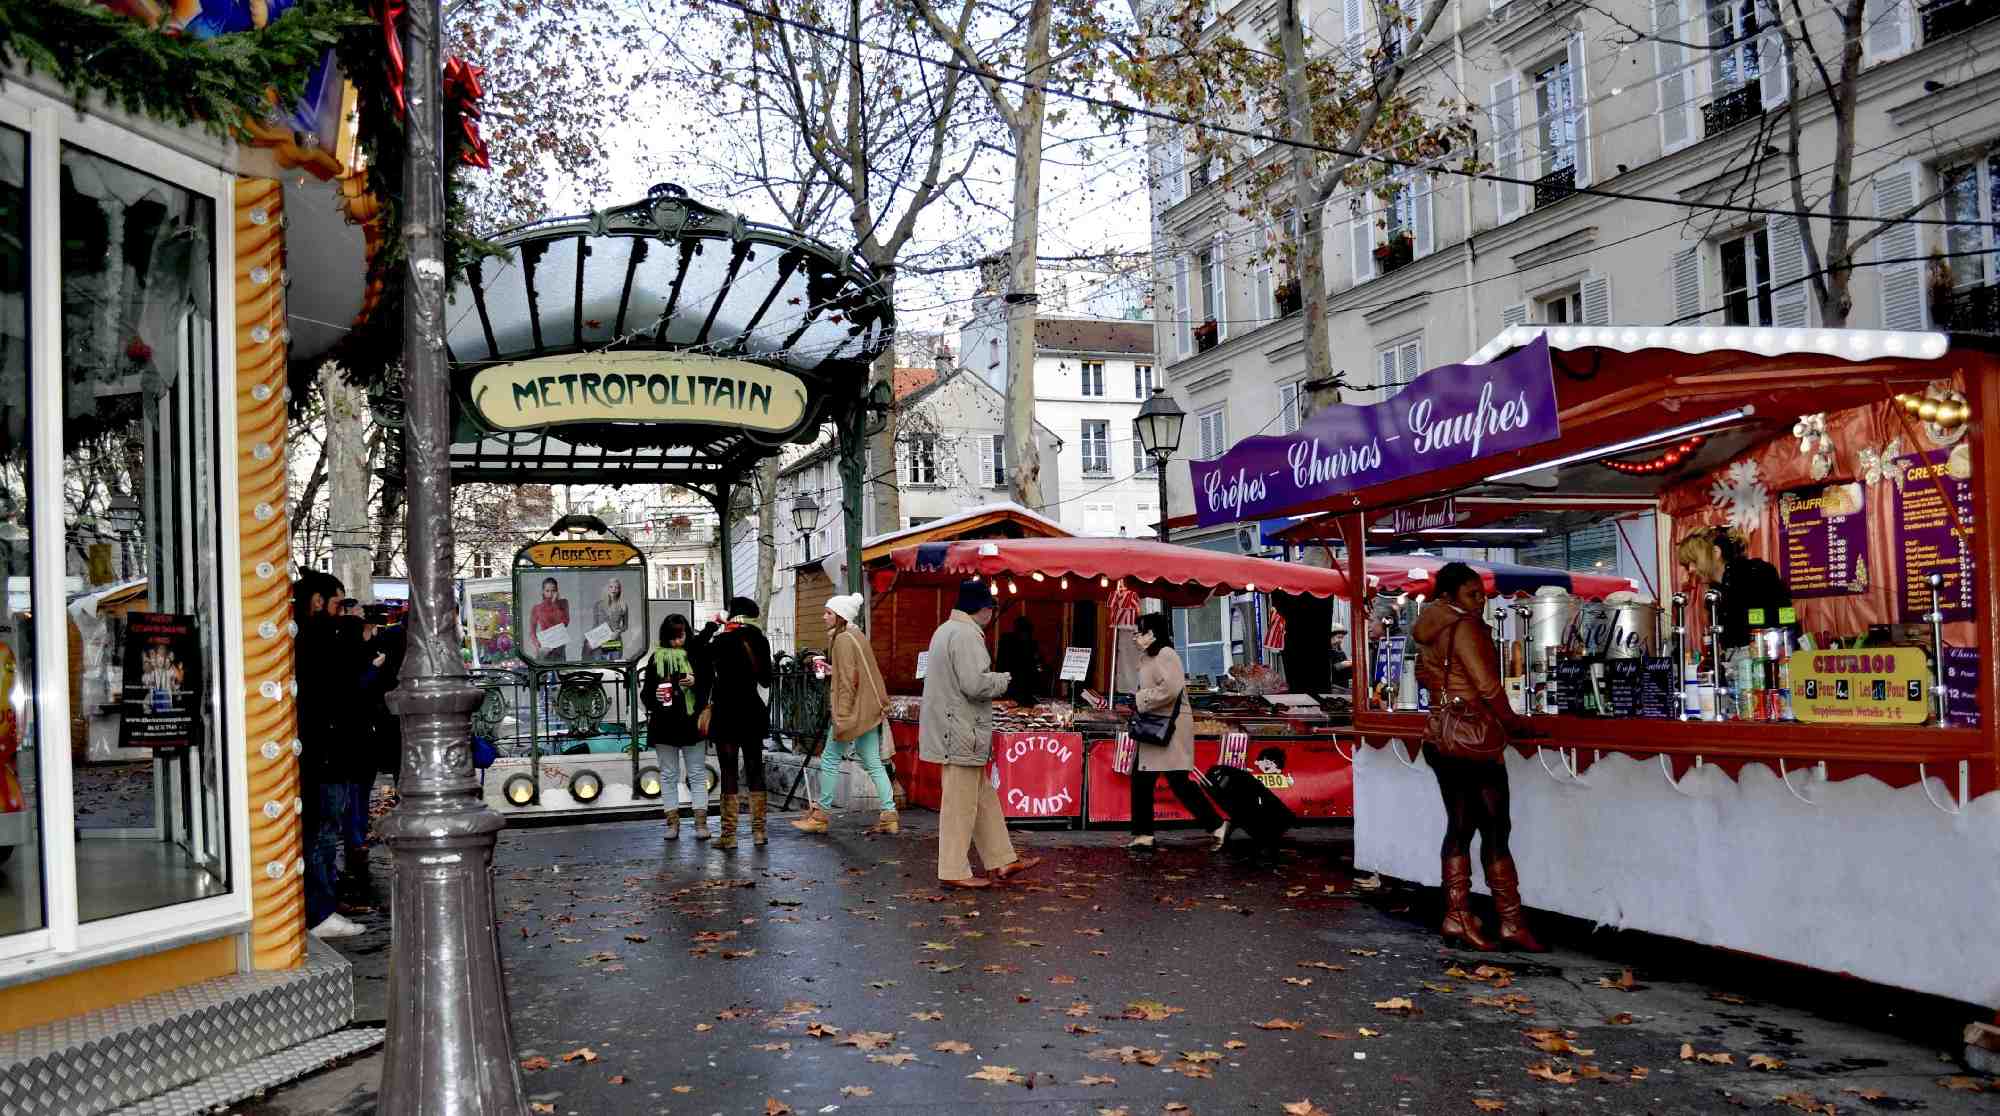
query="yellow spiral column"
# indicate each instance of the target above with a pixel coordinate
(277, 933)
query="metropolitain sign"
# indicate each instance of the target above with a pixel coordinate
(638, 387)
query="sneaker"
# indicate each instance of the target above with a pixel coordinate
(337, 927)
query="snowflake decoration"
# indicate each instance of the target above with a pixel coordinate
(1741, 492)
(1880, 465)
(1814, 444)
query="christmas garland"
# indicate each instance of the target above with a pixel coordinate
(221, 83)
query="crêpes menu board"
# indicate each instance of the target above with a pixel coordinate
(1659, 688)
(1934, 528)
(1624, 681)
(1824, 540)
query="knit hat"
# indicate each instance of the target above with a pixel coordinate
(847, 606)
(742, 607)
(974, 596)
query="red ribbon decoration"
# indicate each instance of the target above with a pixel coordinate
(392, 12)
(463, 93)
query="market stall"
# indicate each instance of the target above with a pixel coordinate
(1053, 760)
(1780, 751)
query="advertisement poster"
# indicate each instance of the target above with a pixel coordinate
(581, 616)
(162, 681)
(1824, 552)
(1307, 775)
(1925, 538)
(1038, 774)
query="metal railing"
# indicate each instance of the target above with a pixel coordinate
(801, 701)
(1555, 186)
(1969, 310)
(1949, 17)
(1728, 109)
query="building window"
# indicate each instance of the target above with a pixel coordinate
(1291, 406)
(1093, 377)
(482, 564)
(923, 459)
(1212, 429)
(1746, 279)
(1972, 205)
(993, 461)
(1142, 462)
(1563, 309)
(1732, 37)
(1142, 380)
(684, 581)
(1211, 287)
(1096, 447)
(1400, 364)
(1555, 111)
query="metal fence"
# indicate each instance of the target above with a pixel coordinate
(801, 701)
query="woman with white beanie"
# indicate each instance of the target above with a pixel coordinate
(859, 728)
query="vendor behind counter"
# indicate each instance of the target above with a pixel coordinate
(1718, 556)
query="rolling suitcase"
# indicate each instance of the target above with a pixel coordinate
(1248, 804)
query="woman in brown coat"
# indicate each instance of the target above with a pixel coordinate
(1457, 662)
(1162, 685)
(859, 727)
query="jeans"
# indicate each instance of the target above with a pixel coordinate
(326, 806)
(1183, 788)
(354, 824)
(690, 760)
(868, 749)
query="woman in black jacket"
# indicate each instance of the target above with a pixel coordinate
(667, 688)
(732, 664)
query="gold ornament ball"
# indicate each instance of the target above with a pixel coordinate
(1910, 402)
(1928, 410)
(1952, 414)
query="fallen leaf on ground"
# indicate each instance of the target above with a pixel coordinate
(585, 1053)
(1121, 1110)
(1806, 1102)
(1719, 1059)
(1077, 1010)
(817, 1029)
(637, 938)
(1190, 1069)
(1302, 982)
(1550, 1042)
(1625, 982)
(773, 1047)
(1097, 1079)
(881, 985)
(683, 1089)
(775, 1107)
(903, 1058)
(1304, 1108)
(1079, 1029)
(1440, 987)
(740, 955)
(1547, 1072)
(1485, 1104)
(1365, 952)
(1062, 978)
(856, 1091)
(1640, 1073)
(927, 1016)
(1766, 1062)
(1327, 965)
(1725, 998)
(1366, 1033)
(1622, 1019)
(539, 1107)
(701, 1028)
(1397, 1003)
(1337, 1036)
(952, 1046)
(1175, 1107)
(1126, 1055)
(1151, 1011)
(1959, 1083)
(1199, 1056)
(1234, 1044)
(535, 1063)
(800, 1007)
(1277, 1025)
(998, 1075)
(1000, 969)
(617, 1079)
(1865, 1094)
(868, 1040)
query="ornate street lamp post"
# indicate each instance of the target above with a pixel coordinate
(805, 516)
(1158, 429)
(450, 1046)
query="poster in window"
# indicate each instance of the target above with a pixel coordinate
(162, 681)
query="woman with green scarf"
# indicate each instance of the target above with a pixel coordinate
(667, 687)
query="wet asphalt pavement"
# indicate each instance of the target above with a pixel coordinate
(825, 974)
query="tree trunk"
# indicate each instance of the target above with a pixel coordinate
(1311, 261)
(1023, 455)
(350, 464)
(880, 489)
(767, 541)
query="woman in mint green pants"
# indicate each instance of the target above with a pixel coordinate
(858, 727)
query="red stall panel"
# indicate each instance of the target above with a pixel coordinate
(1306, 774)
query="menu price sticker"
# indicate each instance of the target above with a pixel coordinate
(1076, 664)
(1659, 695)
(1624, 682)
(1961, 686)
(1933, 536)
(1823, 545)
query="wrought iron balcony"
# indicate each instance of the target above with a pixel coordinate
(1968, 309)
(1394, 252)
(1555, 186)
(1728, 109)
(1948, 17)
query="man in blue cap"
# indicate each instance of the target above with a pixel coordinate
(955, 731)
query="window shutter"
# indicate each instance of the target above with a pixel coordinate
(1676, 80)
(1183, 327)
(1173, 168)
(1596, 300)
(1266, 307)
(1390, 383)
(1406, 36)
(1361, 239)
(1687, 285)
(1902, 284)
(1791, 295)
(1219, 277)
(1505, 113)
(902, 462)
(1514, 315)
(1888, 23)
(1411, 357)
(1350, 33)
(1774, 75)
(1579, 98)
(1288, 408)
(1421, 215)
(986, 467)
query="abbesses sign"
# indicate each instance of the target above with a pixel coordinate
(1448, 416)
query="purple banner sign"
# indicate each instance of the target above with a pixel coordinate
(1825, 548)
(1926, 541)
(1448, 416)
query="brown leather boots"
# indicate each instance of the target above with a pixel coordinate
(1462, 928)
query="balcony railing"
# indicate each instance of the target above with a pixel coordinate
(1948, 17)
(1555, 186)
(1394, 253)
(1727, 110)
(1969, 310)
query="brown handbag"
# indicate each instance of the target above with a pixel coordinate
(1462, 730)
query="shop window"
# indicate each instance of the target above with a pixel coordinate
(1746, 279)
(21, 887)
(140, 528)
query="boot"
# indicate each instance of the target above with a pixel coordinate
(742, 811)
(815, 821)
(673, 823)
(1460, 927)
(701, 824)
(726, 837)
(758, 835)
(886, 824)
(1505, 882)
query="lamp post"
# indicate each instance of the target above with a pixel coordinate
(805, 516)
(1158, 428)
(124, 515)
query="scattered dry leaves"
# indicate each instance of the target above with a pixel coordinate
(1327, 965)
(1126, 1055)
(1396, 1003)
(1365, 952)
(1304, 1108)
(1766, 1062)
(1959, 1083)
(775, 1107)
(900, 1058)
(773, 1047)
(1486, 1104)
(581, 1053)
(927, 1016)
(1277, 1025)
(535, 1063)
(1806, 1102)
(1097, 1079)
(856, 1091)
(539, 1107)
(1366, 1033)
(998, 1075)
(816, 1029)
(1302, 982)
(1624, 982)
(1151, 1011)
(1622, 1019)
(1550, 1073)
(616, 1079)
(1688, 1053)
(1079, 1029)
(868, 1040)
(1865, 1094)
(952, 1046)
(1235, 1044)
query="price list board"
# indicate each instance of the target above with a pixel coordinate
(1659, 691)
(1825, 540)
(1624, 683)
(1930, 502)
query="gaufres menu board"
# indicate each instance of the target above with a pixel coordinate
(1825, 540)
(1934, 496)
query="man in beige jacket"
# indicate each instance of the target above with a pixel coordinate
(956, 731)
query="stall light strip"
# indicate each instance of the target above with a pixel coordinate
(1743, 412)
(1848, 344)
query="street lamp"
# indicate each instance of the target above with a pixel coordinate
(805, 516)
(1158, 428)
